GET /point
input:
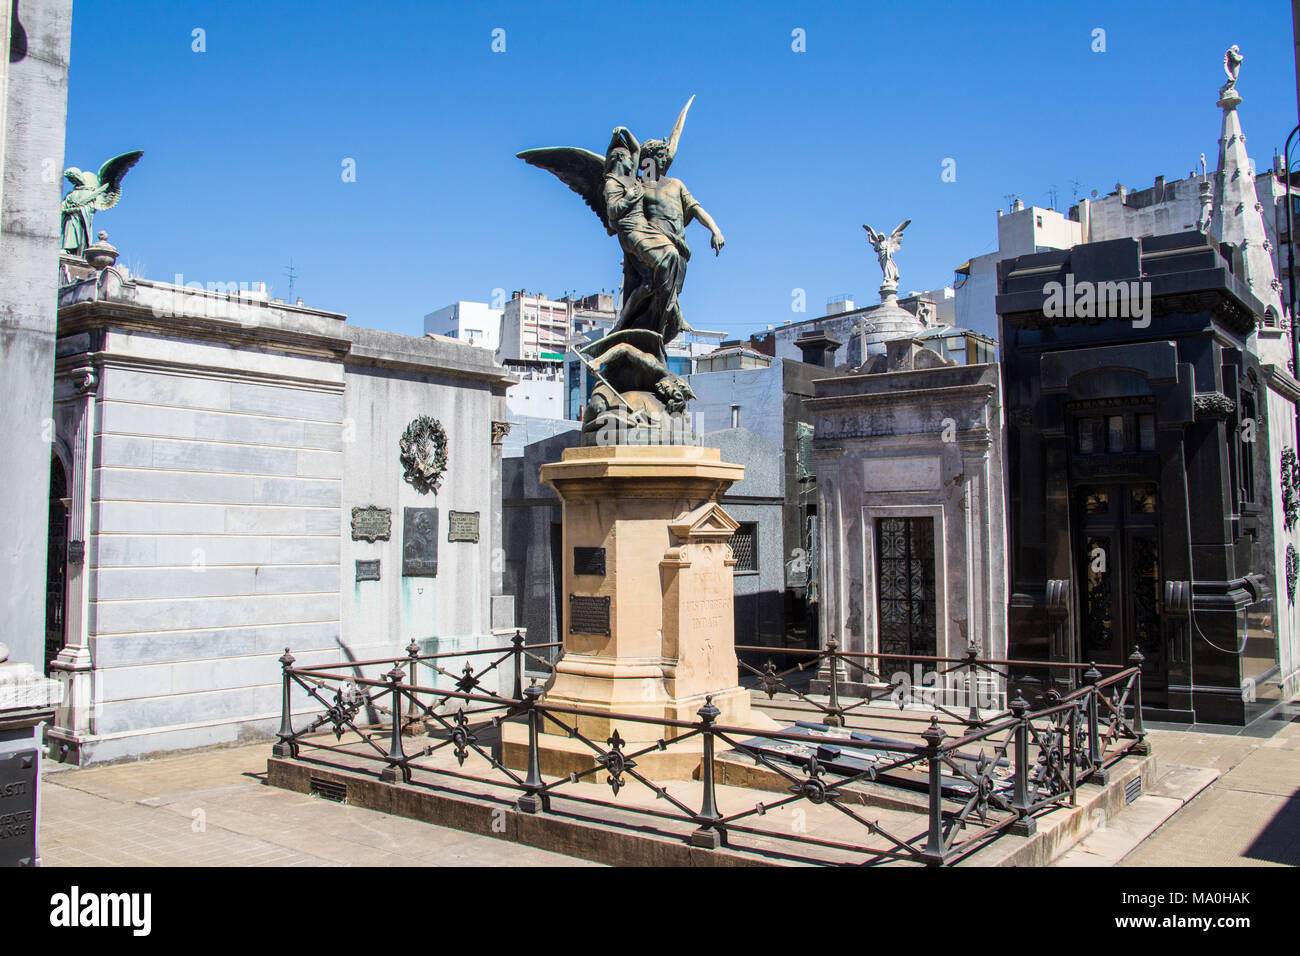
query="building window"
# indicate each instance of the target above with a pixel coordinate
(1115, 433)
(1146, 433)
(1245, 442)
(744, 548)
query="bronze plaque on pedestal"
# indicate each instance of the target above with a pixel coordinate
(419, 542)
(18, 808)
(462, 526)
(589, 561)
(588, 615)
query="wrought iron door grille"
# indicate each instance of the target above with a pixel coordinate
(905, 585)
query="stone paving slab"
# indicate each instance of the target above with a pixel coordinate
(212, 809)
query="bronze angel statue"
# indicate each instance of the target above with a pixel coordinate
(636, 200)
(91, 193)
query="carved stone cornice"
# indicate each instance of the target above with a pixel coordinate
(499, 431)
(1213, 405)
(86, 380)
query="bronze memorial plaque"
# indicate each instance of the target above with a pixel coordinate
(588, 615)
(368, 570)
(462, 526)
(589, 561)
(18, 808)
(419, 542)
(371, 523)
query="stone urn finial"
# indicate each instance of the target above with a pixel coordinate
(102, 253)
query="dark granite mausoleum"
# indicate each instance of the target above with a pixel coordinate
(1138, 471)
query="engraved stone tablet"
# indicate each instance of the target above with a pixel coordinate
(371, 523)
(368, 570)
(419, 542)
(18, 808)
(589, 561)
(588, 615)
(462, 526)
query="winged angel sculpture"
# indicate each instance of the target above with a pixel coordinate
(630, 191)
(91, 193)
(885, 247)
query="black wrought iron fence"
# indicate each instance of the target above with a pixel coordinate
(994, 775)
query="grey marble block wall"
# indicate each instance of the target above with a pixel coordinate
(215, 545)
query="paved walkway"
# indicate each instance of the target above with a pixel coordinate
(211, 809)
(1250, 816)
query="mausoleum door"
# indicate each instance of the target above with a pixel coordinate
(905, 589)
(56, 570)
(1119, 562)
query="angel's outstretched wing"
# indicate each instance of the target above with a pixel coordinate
(579, 169)
(676, 135)
(110, 178)
(896, 236)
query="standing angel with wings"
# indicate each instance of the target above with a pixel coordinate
(885, 247)
(636, 200)
(91, 193)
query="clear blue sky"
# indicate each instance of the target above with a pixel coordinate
(790, 152)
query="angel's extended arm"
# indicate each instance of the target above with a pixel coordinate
(691, 209)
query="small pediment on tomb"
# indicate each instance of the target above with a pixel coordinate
(708, 521)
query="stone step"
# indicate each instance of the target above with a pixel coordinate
(1113, 838)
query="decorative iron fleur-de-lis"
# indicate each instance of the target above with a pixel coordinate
(615, 762)
(467, 680)
(814, 789)
(771, 681)
(461, 738)
(983, 770)
(348, 699)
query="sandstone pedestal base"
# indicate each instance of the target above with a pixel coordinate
(648, 617)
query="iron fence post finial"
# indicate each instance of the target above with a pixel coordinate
(285, 747)
(1137, 659)
(396, 758)
(708, 835)
(835, 717)
(517, 642)
(933, 736)
(412, 653)
(1025, 825)
(531, 801)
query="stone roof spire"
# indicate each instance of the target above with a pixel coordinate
(1237, 217)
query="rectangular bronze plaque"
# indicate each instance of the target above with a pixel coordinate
(462, 526)
(372, 523)
(368, 570)
(588, 615)
(589, 561)
(419, 542)
(18, 808)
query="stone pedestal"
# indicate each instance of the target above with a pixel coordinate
(27, 700)
(652, 635)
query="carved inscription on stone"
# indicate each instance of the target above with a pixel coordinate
(368, 570)
(462, 526)
(18, 808)
(588, 615)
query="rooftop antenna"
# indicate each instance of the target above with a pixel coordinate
(1074, 189)
(1010, 198)
(1051, 195)
(292, 273)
